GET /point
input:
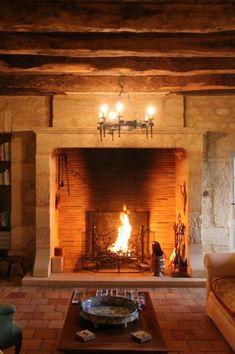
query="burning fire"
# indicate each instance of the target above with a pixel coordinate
(123, 234)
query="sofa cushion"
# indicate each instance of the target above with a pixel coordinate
(224, 290)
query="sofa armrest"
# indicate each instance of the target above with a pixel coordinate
(219, 265)
(7, 309)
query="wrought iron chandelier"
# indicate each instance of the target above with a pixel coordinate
(111, 121)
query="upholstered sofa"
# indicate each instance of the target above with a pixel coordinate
(220, 304)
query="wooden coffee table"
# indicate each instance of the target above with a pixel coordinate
(113, 339)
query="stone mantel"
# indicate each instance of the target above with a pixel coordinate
(90, 131)
(162, 138)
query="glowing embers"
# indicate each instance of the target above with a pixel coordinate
(120, 246)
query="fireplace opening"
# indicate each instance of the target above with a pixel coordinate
(92, 186)
(117, 241)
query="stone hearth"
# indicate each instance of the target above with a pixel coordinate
(117, 280)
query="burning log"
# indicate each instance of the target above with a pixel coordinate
(120, 246)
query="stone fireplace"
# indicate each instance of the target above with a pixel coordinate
(155, 176)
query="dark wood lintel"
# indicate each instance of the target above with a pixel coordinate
(119, 44)
(139, 16)
(78, 83)
(116, 65)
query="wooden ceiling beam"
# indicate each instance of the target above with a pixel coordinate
(134, 16)
(63, 46)
(119, 44)
(59, 84)
(29, 64)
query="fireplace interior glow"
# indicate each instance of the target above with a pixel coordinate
(92, 186)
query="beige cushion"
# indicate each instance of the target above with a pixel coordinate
(224, 290)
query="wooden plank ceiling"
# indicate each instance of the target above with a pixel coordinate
(58, 46)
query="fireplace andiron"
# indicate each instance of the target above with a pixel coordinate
(157, 259)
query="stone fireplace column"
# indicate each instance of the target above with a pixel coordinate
(46, 214)
(195, 166)
(44, 245)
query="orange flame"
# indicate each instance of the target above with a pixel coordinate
(123, 234)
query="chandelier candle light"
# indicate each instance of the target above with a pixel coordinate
(111, 121)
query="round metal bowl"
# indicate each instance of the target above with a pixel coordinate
(109, 310)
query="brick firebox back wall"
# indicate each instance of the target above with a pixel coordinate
(105, 180)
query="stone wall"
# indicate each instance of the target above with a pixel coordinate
(20, 115)
(23, 113)
(217, 235)
(213, 113)
(217, 116)
(81, 111)
(23, 195)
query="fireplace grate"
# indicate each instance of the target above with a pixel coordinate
(101, 259)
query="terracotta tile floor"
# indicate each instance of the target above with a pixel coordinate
(181, 313)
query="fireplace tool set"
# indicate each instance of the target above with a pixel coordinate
(178, 257)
